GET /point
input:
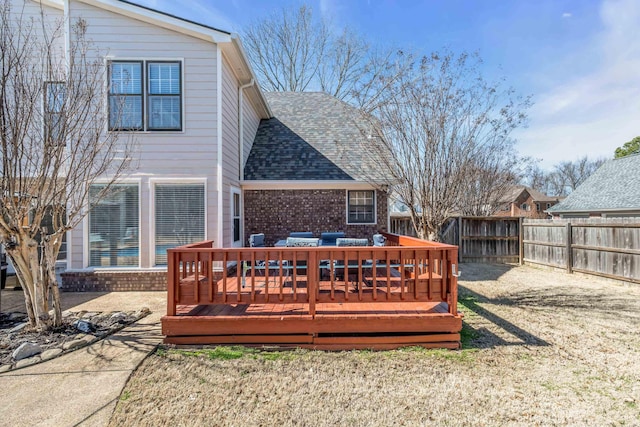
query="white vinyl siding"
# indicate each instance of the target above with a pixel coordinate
(251, 121)
(230, 149)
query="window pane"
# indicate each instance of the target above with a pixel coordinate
(126, 78)
(164, 112)
(113, 227)
(125, 112)
(164, 79)
(361, 207)
(55, 94)
(179, 217)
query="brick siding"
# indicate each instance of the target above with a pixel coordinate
(108, 281)
(276, 213)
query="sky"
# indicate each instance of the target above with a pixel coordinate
(579, 60)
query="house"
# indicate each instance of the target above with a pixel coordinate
(523, 201)
(612, 191)
(209, 149)
(308, 171)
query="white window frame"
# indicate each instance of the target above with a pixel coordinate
(152, 210)
(87, 230)
(236, 191)
(145, 60)
(375, 207)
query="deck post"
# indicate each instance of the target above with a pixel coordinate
(312, 278)
(171, 284)
(453, 289)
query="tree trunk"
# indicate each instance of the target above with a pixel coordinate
(36, 275)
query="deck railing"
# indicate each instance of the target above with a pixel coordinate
(405, 270)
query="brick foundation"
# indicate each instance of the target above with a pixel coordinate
(110, 281)
(276, 213)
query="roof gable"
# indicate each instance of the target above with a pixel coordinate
(312, 136)
(614, 186)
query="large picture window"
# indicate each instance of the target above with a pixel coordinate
(179, 217)
(361, 207)
(113, 227)
(139, 86)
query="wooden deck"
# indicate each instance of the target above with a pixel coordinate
(401, 294)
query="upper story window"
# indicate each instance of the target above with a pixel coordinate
(145, 95)
(524, 207)
(361, 207)
(55, 94)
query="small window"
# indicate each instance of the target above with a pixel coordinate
(164, 96)
(179, 217)
(537, 207)
(55, 94)
(113, 226)
(524, 207)
(236, 217)
(361, 207)
(548, 205)
(125, 96)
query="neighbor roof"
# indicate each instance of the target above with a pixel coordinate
(615, 186)
(312, 136)
(514, 192)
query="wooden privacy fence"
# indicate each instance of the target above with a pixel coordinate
(485, 239)
(608, 247)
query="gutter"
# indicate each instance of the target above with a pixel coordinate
(241, 125)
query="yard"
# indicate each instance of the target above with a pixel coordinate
(540, 348)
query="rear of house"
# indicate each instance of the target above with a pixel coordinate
(186, 94)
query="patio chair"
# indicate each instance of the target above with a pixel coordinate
(339, 264)
(301, 242)
(257, 241)
(329, 239)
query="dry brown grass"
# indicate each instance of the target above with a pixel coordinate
(541, 348)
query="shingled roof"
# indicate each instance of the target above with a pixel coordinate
(615, 186)
(312, 136)
(514, 192)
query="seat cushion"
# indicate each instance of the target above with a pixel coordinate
(352, 242)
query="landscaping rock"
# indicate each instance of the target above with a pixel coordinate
(18, 328)
(70, 345)
(89, 315)
(27, 362)
(25, 350)
(5, 368)
(84, 326)
(50, 354)
(118, 317)
(17, 317)
(89, 339)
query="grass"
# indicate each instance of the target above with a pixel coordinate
(527, 359)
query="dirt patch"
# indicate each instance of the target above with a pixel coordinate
(540, 348)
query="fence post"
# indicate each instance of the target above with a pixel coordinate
(521, 240)
(460, 241)
(569, 233)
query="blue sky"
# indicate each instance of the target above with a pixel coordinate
(578, 59)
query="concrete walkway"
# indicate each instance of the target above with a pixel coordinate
(82, 388)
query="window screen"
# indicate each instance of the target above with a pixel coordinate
(113, 227)
(361, 207)
(179, 217)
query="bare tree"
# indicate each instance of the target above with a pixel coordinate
(54, 146)
(442, 134)
(292, 51)
(564, 178)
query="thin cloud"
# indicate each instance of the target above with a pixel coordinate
(567, 15)
(595, 110)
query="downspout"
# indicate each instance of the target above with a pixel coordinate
(241, 125)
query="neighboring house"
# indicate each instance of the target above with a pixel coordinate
(192, 103)
(308, 170)
(522, 201)
(612, 191)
